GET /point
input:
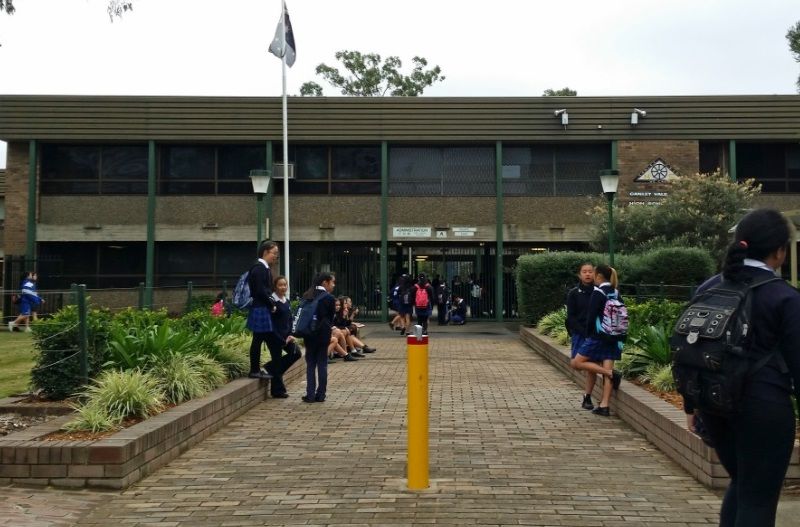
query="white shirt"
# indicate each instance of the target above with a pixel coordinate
(751, 262)
(263, 261)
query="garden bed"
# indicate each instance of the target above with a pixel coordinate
(121, 458)
(660, 422)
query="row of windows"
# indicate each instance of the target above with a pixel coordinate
(539, 170)
(109, 265)
(528, 170)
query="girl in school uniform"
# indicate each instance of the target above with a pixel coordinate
(598, 352)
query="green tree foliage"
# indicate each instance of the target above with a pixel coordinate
(793, 36)
(367, 75)
(563, 92)
(115, 7)
(698, 211)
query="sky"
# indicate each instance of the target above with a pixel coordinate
(497, 48)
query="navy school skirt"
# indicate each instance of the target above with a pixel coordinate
(259, 320)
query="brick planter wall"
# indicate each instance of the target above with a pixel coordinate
(657, 420)
(130, 454)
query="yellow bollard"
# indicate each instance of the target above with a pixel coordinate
(417, 347)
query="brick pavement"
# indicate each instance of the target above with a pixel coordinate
(509, 446)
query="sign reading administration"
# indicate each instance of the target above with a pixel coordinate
(411, 232)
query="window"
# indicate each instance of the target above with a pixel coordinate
(775, 165)
(441, 171)
(333, 169)
(98, 265)
(203, 263)
(712, 156)
(206, 169)
(554, 170)
(93, 169)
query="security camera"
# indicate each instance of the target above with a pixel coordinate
(635, 116)
(642, 113)
(564, 116)
(559, 112)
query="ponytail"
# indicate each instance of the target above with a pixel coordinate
(609, 273)
(759, 234)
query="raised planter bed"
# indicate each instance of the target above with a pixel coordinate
(123, 458)
(660, 422)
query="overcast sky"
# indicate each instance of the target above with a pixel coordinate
(497, 48)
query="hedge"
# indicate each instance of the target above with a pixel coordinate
(543, 279)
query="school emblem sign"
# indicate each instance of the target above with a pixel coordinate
(656, 172)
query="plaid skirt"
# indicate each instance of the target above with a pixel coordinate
(259, 320)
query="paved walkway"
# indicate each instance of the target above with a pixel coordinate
(509, 446)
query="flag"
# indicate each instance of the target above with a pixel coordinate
(276, 49)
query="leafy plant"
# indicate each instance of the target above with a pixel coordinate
(553, 321)
(652, 348)
(126, 394)
(178, 379)
(57, 372)
(146, 347)
(210, 372)
(661, 378)
(135, 320)
(233, 353)
(92, 418)
(662, 313)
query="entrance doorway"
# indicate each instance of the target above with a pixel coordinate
(469, 270)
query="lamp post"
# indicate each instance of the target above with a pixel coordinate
(609, 179)
(260, 180)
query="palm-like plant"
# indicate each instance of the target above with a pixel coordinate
(651, 347)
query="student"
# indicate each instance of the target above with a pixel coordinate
(280, 339)
(423, 298)
(259, 318)
(755, 445)
(398, 320)
(317, 346)
(577, 307)
(458, 311)
(406, 291)
(218, 307)
(28, 302)
(598, 353)
(442, 295)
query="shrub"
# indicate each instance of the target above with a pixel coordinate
(651, 348)
(142, 348)
(134, 320)
(178, 379)
(57, 372)
(661, 378)
(92, 418)
(551, 322)
(233, 353)
(126, 394)
(200, 303)
(661, 313)
(210, 372)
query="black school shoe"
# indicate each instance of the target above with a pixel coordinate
(307, 400)
(349, 358)
(367, 349)
(616, 379)
(587, 402)
(602, 410)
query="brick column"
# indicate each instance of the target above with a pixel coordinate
(16, 199)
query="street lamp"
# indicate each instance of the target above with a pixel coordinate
(609, 179)
(260, 180)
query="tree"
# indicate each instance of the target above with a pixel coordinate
(793, 36)
(697, 212)
(115, 7)
(370, 76)
(563, 92)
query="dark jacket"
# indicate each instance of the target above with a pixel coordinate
(260, 282)
(325, 313)
(776, 326)
(282, 319)
(577, 307)
(597, 303)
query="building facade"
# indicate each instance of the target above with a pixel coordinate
(118, 191)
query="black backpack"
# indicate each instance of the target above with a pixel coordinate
(305, 324)
(711, 347)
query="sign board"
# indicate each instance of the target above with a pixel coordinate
(464, 231)
(411, 232)
(656, 172)
(441, 234)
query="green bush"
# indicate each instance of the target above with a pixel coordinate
(210, 372)
(179, 380)
(233, 353)
(661, 313)
(544, 279)
(136, 320)
(57, 372)
(92, 418)
(142, 348)
(661, 378)
(126, 394)
(201, 303)
(650, 348)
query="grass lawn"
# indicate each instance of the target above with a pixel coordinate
(16, 361)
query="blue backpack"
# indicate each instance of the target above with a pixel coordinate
(241, 293)
(305, 322)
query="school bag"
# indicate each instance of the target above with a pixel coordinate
(421, 298)
(305, 324)
(241, 293)
(711, 347)
(613, 322)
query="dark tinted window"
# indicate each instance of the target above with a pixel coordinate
(125, 162)
(107, 169)
(554, 169)
(775, 165)
(70, 162)
(441, 171)
(179, 258)
(187, 162)
(236, 162)
(354, 162)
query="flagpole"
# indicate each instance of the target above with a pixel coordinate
(286, 259)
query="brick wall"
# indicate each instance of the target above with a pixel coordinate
(683, 157)
(16, 199)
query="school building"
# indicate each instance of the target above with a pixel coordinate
(117, 191)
